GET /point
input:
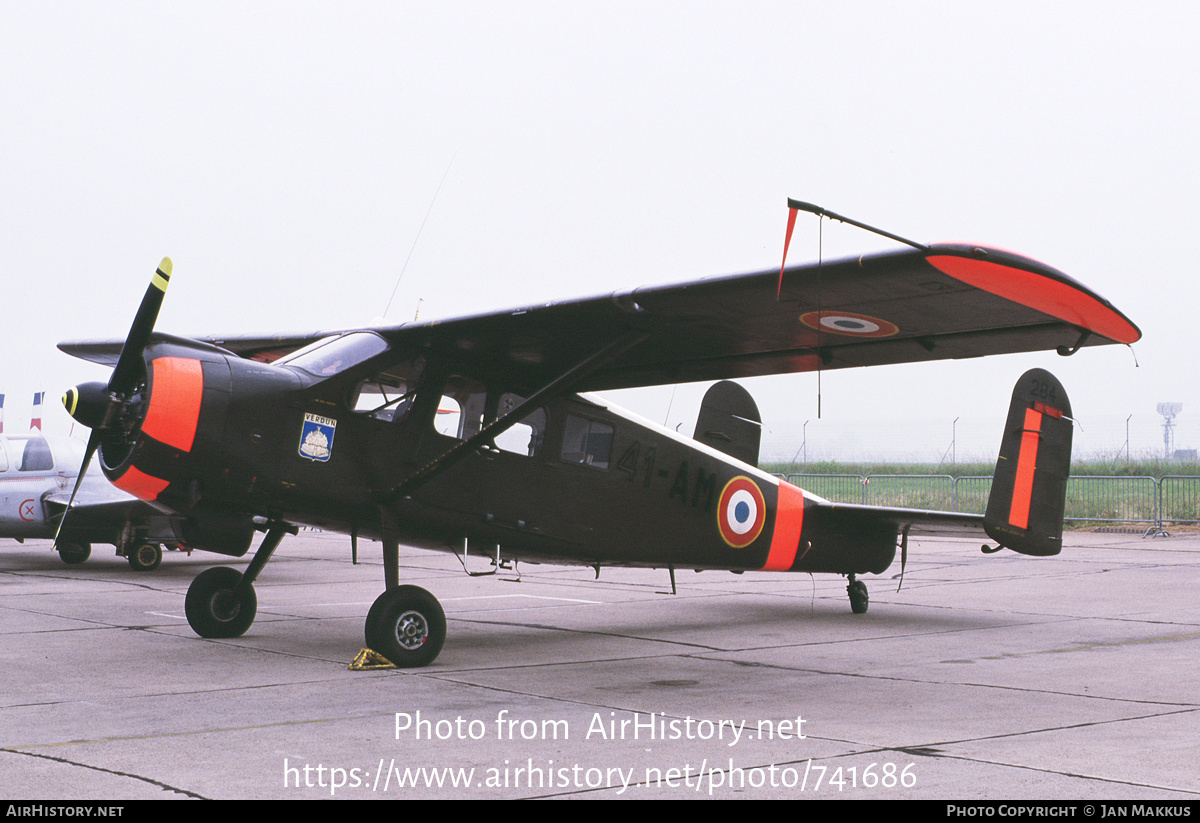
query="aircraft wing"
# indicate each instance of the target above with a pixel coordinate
(96, 506)
(944, 302)
(264, 348)
(897, 307)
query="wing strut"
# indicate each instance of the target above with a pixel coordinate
(558, 385)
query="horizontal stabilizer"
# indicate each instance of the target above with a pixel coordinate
(1029, 489)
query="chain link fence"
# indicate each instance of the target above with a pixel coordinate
(1090, 499)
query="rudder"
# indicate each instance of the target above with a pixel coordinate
(1029, 489)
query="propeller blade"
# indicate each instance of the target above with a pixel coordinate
(92, 444)
(96, 405)
(129, 367)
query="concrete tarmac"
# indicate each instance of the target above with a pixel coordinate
(983, 677)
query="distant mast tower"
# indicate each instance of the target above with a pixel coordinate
(1168, 412)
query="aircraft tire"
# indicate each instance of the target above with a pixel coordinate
(146, 557)
(859, 599)
(211, 608)
(74, 553)
(407, 626)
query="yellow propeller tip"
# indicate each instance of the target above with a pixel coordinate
(165, 266)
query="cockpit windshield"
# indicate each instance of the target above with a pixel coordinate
(332, 355)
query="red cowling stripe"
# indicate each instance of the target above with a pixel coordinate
(178, 388)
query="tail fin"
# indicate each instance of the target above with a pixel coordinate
(35, 420)
(729, 422)
(1029, 489)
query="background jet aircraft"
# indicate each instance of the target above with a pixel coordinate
(37, 473)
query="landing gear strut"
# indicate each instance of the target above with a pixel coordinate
(859, 600)
(406, 624)
(221, 601)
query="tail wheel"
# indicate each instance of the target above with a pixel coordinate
(214, 607)
(407, 626)
(859, 600)
(145, 558)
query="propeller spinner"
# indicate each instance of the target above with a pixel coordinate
(111, 408)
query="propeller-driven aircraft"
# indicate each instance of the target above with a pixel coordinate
(36, 475)
(479, 434)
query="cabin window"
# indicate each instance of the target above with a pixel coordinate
(460, 412)
(587, 441)
(526, 436)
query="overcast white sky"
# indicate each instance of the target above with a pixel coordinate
(285, 155)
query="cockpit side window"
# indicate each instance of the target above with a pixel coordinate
(388, 395)
(383, 398)
(3, 458)
(587, 441)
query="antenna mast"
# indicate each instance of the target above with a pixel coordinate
(1168, 412)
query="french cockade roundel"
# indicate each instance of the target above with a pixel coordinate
(742, 512)
(849, 323)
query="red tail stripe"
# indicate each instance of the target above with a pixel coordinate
(1026, 463)
(789, 521)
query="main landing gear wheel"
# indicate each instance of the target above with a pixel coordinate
(859, 600)
(74, 553)
(213, 607)
(407, 626)
(145, 558)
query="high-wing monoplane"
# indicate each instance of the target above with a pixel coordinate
(480, 434)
